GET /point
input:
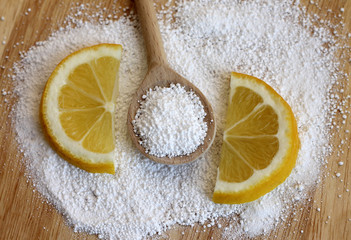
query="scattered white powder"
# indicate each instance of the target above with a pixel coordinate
(170, 121)
(204, 42)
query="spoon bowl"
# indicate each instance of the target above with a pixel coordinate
(160, 74)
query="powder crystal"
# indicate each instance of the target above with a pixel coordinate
(170, 121)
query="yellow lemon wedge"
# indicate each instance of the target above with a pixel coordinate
(78, 105)
(260, 142)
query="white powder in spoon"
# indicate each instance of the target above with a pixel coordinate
(204, 42)
(170, 121)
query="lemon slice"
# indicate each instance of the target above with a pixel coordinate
(78, 105)
(260, 142)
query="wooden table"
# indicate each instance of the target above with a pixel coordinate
(25, 215)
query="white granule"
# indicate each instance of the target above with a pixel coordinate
(170, 121)
(204, 41)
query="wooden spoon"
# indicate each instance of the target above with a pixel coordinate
(160, 74)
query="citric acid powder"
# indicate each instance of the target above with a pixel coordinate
(204, 41)
(170, 121)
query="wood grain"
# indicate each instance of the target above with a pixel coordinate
(25, 215)
(151, 32)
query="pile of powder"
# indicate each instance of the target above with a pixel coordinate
(170, 121)
(204, 41)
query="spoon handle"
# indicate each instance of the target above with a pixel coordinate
(152, 36)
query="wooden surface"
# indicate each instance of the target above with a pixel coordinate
(25, 215)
